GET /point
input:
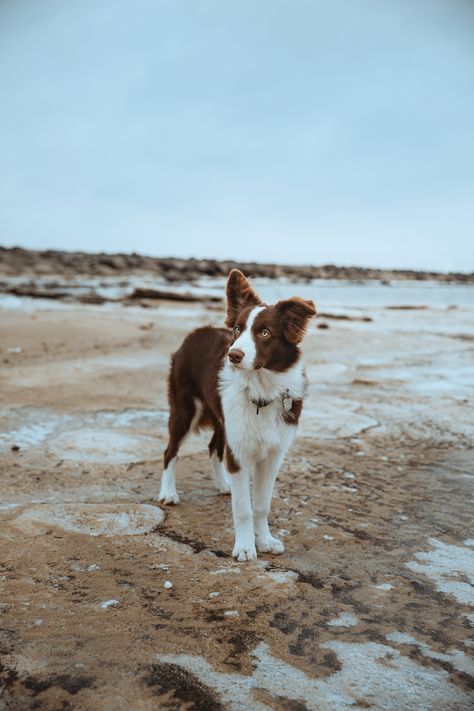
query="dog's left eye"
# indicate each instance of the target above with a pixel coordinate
(265, 333)
(237, 329)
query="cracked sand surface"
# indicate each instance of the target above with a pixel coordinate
(370, 605)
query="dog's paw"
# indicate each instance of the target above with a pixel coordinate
(269, 544)
(223, 488)
(244, 551)
(168, 497)
(222, 482)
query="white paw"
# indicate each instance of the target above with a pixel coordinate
(222, 481)
(245, 551)
(269, 544)
(168, 497)
(223, 487)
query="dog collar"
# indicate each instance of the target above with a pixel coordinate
(261, 403)
(286, 399)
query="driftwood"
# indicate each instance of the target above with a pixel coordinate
(344, 317)
(35, 292)
(407, 307)
(92, 297)
(144, 293)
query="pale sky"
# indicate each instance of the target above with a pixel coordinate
(271, 130)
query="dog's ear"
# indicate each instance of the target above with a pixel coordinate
(295, 314)
(239, 295)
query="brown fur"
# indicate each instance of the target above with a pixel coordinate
(294, 315)
(240, 296)
(231, 463)
(193, 374)
(292, 416)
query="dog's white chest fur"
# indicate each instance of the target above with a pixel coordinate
(251, 436)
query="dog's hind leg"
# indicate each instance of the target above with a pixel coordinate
(182, 413)
(216, 452)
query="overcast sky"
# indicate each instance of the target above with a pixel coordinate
(290, 131)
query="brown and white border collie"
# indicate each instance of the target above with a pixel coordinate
(246, 382)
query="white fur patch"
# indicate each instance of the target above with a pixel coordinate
(246, 341)
(168, 493)
(252, 437)
(219, 474)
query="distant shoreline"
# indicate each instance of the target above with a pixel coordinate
(16, 261)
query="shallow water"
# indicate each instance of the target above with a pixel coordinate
(326, 293)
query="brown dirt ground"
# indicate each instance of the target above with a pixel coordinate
(358, 507)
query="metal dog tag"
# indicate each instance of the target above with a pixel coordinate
(287, 401)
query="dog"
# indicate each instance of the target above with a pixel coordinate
(246, 382)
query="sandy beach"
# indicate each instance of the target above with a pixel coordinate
(370, 606)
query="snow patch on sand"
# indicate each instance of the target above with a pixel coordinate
(92, 519)
(107, 435)
(342, 417)
(345, 619)
(456, 657)
(446, 564)
(374, 675)
(93, 445)
(27, 427)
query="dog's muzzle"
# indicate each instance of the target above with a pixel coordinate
(236, 355)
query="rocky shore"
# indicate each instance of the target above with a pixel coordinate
(22, 262)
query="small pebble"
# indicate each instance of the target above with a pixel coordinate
(214, 594)
(232, 613)
(15, 448)
(328, 538)
(168, 585)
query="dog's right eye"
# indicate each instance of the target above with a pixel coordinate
(236, 329)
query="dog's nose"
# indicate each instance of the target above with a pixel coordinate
(236, 355)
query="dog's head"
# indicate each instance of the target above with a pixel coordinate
(264, 336)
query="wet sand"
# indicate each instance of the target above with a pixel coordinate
(370, 605)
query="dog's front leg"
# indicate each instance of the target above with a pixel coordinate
(244, 548)
(264, 480)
